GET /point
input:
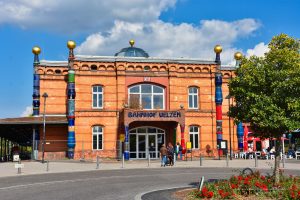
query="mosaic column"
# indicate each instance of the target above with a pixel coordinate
(71, 101)
(218, 95)
(240, 135)
(126, 148)
(36, 99)
(240, 130)
(182, 126)
(36, 83)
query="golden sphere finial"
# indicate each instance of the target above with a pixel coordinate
(218, 49)
(36, 50)
(238, 55)
(71, 44)
(131, 42)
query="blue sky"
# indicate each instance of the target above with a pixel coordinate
(164, 28)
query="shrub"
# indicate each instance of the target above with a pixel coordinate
(255, 185)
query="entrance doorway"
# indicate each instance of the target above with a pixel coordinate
(145, 141)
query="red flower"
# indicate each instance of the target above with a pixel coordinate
(234, 186)
(240, 178)
(210, 194)
(221, 192)
(263, 178)
(246, 182)
(204, 189)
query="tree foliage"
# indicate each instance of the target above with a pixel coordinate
(267, 89)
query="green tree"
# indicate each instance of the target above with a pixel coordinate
(267, 92)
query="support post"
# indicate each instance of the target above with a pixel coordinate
(149, 160)
(47, 169)
(174, 159)
(227, 160)
(45, 95)
(19, 168)
(97, 162)
(123, 161)
(201, 160)
(256, 163)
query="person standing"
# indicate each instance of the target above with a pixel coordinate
(178, 150)
(163, 155)
(170, 149)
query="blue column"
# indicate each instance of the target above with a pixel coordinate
(240, 135)
(36, 83)
(71, 101)
(126, 149)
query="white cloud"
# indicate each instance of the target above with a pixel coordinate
(27, 112)
(73, 16)
(259, 50)
(162, 39)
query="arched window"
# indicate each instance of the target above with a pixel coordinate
(194, 136)
(97, 96)
(97, 138)
(193, 98)
(147, 97)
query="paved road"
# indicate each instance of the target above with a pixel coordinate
(106, 184)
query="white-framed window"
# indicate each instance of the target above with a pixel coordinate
(97, 138)
(194, 136)
(147, 97)
(193, 98)
(97, 92)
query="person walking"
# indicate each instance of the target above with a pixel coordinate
(178, 150)
(170, 149)
(163, 154)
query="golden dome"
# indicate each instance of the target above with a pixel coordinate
(131, 42)
(238, 55)
(36, 50)
(71, 44)
(218, 49)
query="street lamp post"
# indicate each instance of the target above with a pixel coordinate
(229, 120)
(45, 95)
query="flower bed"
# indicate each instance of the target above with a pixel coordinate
(253, 186)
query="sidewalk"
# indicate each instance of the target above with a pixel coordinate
(33, 167)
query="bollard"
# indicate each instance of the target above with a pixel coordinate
(174, 159)
(149, 160)
(97, 165)
(47, 166)
(256, 163)
(123, 161)
(19, 168)
(227, 160)
(200, 160)
(200, 185)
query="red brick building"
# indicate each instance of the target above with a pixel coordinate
(144, 101)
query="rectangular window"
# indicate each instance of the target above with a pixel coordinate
(97, 138)
(194, 136)
(193, 98)
(97, 97)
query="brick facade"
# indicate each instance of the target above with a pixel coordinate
(116, 76)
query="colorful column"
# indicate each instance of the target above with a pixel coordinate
(240, 135)
(240, 130)
(36, 83)
(218, 94)
(182, 126)
(36, 99)
(71, 101)
(126, 148)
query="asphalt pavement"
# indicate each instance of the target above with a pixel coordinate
(137, 179)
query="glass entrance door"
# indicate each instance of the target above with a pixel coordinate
(152, 145)
(142, 150)
(145, 141)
